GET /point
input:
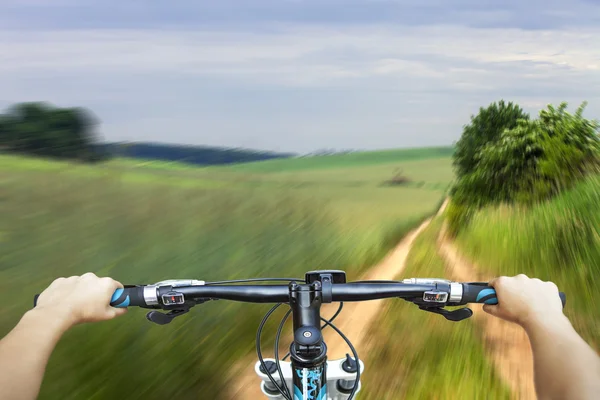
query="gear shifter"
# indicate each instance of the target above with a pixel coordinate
(456, 315)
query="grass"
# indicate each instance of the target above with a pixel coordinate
(139, 225)
(345, 160)
(420, 355)
(558, 240)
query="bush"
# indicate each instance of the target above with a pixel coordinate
(398, 179)
(484, 128)
(40, 129)
(532, 161)
(458, 216)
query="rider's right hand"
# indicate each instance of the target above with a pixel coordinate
(525, 301)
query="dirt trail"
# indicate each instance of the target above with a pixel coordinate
(354, 320)
(506, 344)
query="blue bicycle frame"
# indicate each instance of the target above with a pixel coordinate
(310, 383)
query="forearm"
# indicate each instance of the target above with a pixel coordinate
(24, 353)
(566, 367)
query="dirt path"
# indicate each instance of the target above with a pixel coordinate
(354, 320)
(506, 344)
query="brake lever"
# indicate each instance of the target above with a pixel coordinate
(162, 318)
(165, 318)
(455, 315)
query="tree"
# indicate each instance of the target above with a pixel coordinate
(41, 129)
(528, 163)
(486, 127)
(534, 160)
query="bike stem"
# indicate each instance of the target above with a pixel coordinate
(308, 351)
(305, 302)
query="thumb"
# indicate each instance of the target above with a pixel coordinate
(116, 312)
(491, 309)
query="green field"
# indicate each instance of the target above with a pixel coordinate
(558, 240)
(420, 355)
(141, 223)
(346, 160)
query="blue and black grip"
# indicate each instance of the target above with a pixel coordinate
(480, 292)
(128, 297)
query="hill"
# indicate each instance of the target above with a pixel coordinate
(198, 155)
(356, 159)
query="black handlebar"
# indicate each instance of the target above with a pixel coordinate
(281, 293)
(474, 292)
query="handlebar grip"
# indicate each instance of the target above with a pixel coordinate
(121, 298)
(480, 292)
(128, 297)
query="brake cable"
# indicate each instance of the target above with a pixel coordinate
(259, 352)
(283, 389)
(277, 362)
(256, 280)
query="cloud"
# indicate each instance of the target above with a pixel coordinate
(309, 56)
(298, 82)
(531, 14)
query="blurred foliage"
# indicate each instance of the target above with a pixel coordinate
(529, 163)
(557, 240)
(44, 130)
(420, 355)
(484, 128)
(458, 215)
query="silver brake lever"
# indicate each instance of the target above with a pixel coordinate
(425, 281)
(180, 282)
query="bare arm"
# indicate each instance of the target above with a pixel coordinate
(25, 351)
(565, 366)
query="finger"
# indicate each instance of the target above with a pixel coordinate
(110, 284)
(491, 309)
(117, 312)
(497, 281)
(118, 284)
(552, 285)
(493, 282)
(113, 312)
(89, 275)
(57, 281)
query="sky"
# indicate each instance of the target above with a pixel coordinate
(298, 75)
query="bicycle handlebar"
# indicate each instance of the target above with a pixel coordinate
(157, 296)
(451, 293)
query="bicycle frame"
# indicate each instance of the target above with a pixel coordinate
(309, 383)
(335, 382)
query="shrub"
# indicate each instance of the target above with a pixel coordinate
(398, 179)
(484, 128)
(532, 161)
(458, 216)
